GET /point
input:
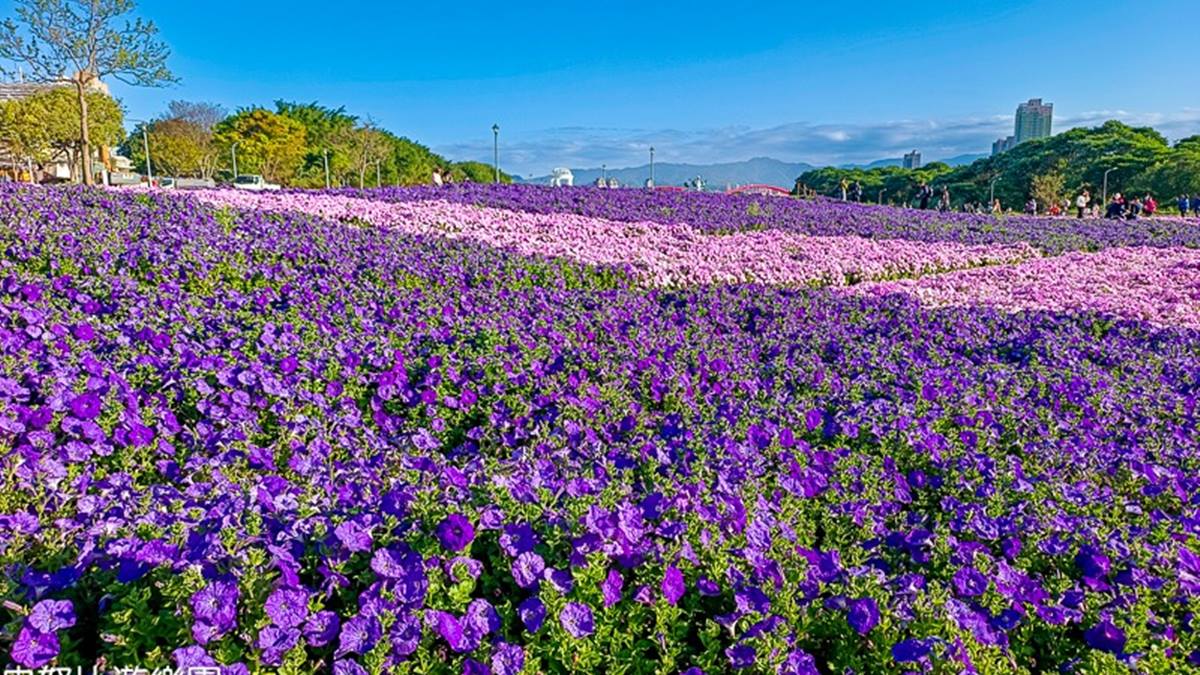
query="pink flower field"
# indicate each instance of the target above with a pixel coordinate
(668, 255)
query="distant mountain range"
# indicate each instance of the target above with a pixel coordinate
(764, 170)
(758, 170)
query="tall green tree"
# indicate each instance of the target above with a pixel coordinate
(326, 130)
(182, 141)
(267, 143)
(83, 42)
(45, 125)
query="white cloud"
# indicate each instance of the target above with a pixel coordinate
(818, 144)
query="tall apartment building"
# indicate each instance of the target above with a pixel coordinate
(1034, 120)
(912, 160)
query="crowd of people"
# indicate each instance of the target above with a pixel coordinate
(1120, 207)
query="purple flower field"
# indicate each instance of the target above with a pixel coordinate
(267, 441)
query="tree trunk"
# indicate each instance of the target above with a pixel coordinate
(85, 145)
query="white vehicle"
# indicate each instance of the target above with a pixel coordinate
(252, 181)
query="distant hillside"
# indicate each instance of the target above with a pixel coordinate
(1141, 159)
(957, 160)
(758, 170)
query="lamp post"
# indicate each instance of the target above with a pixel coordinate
(992, 191)
(233, 155)
(146, 148)
(1104, 194)
(652, 166)
(881, 196)
(496, 151)
(325, 154)
(604, 174)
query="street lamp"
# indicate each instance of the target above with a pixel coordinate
(604, 173)
(146, 148)
(496, 151)
(881, 196)
(992, 191)
(233, 154)
(652, 166)
(325, 154)
(1104, 195)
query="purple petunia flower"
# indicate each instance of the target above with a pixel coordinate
(33, 648)
(611, 587)
(532, 612)
(1092, 562)
(348, 667)
(473, 667)
(321, 628)
(527, 569)
(455, 532)
(287, 607)
(969, 582)
(405, 635)
(480, 619)
(507, 659)
(673, 585)
(353, 536)
(275, 642)
(517, 539)
(741, 656)
(49, 616)
(359, 635)
(449, 628)
(912, 649)
(576, 619)
(1106, 637)
(863, 615)
(86, 406)
(798, 662)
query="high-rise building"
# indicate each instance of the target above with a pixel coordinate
(1003, 145)
(1033, 120)
(912, 160)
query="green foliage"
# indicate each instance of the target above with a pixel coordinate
(1048, 188)
(46, 123)
(899, 184)
(1141, 157)
(84, 42)
(267, 143)
(478, 172)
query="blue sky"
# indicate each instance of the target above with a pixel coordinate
(585, 83)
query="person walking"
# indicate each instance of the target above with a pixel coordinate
(944, 200)
(1031, 207)
(1081, 202)
(1196, 204)
(996, 208)
(1183, 205)
(856, 193)
(1149, 205)
(924, 194)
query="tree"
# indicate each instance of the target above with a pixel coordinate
(1048, 188)
(204, 115)
(182, 141)
(478, 172)
(326, 130)
(45, 124)
(365, 147)
(271, 144)
(82, 41)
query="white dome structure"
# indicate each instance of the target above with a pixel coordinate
(561, 177)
